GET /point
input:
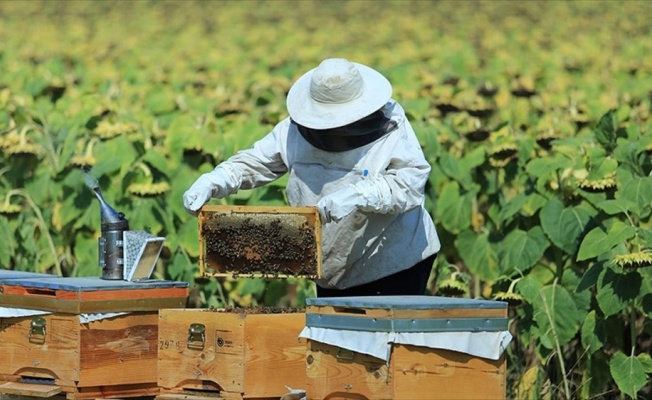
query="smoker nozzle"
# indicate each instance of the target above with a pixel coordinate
(110, 218)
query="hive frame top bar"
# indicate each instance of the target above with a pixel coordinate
(312, 218)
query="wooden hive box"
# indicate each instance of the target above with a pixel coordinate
(83, 337)
(412, 371)
(230, 354)
(91, 294)
(259, 241)
(112, 357)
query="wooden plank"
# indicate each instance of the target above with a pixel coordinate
(51, 352)
(250, 355)
(212, 208)
(412, 373)
(182, 396)
(114, 351)
(333, 373)
(382, 313)
(147, 390)
(18, 290)
(256, 275)
(154, 293)
(351, 312)
(95, 306)
(217, 356)
(29, 389)
(417, 370)
(274, 354)
(120, 350)
(60, 396)
(104, 295)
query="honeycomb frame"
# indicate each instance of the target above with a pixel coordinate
(259, 241)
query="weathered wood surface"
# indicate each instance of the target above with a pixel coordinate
(29, 390)
(334, 372)
(251, 355)
(412, 373)
(114, 356)
(386, 313)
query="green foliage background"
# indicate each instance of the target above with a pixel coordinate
(534, 115)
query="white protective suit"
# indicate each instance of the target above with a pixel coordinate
(382, 182)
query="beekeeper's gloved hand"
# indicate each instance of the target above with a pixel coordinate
(207, 186)
(369, 195)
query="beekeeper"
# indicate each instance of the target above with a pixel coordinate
(350, 150)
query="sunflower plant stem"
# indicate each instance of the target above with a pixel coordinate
(44, 129)
(632, 328)
(560, 355)
(559, 263)
(43, 226)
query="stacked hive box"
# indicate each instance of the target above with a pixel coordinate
(231, 354)
(343, 363)
(82, 337)
(142, 344)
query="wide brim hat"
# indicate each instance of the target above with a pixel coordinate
(337, 93)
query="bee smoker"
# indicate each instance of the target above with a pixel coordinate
(111, 243)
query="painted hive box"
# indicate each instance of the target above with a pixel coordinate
(391, 348)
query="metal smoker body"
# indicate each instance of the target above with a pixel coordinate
(111, 243)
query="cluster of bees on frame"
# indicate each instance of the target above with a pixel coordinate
(264, 244)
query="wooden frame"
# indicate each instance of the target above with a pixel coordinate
(286, 216)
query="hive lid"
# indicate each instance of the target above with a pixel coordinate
(404, 302)
(88, 284)
(81, 295)
(11, 274)
(406, 314)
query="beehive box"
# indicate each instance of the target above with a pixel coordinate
(90, 294)
(257, 241)
(230, 354)
(43, 355)
(82, 337)
(412, 371)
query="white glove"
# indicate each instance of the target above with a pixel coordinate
(207, 186)
(370, 195)
(294, 394)
(338, 205)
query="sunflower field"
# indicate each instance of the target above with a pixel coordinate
(536, 117)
